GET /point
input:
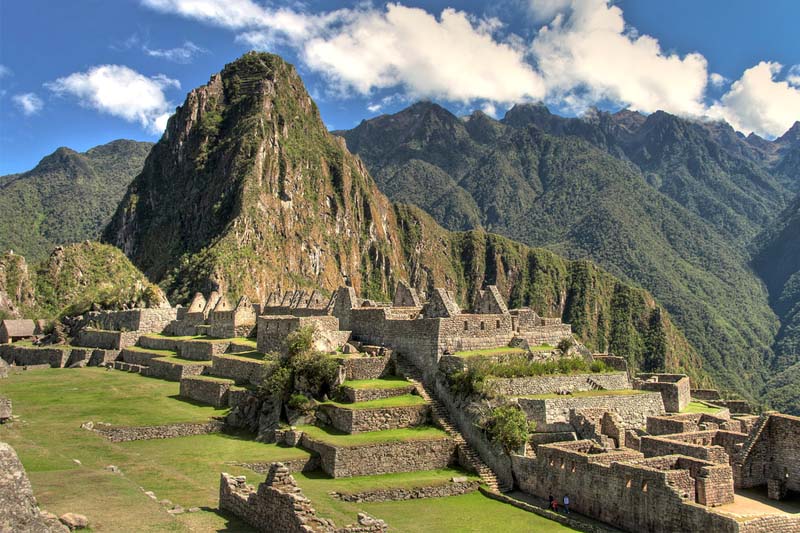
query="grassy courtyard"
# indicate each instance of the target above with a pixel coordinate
(53, 403)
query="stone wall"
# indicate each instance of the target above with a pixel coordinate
(674, 388)
(141, 320)
(773, 454)
(415, 493)
(164, 368)
(167, 431)
(705, 394)
(527, 386)
(30, 356)
(660, 495)
(716, 446)
(106, 339)
(382, 458)
(280, 506)
(361, 420)
(201, 350)
(612, 361)
(553, 414)
(352, 395)
(18, 509)
(242, 370)
(547, 334)
(273, 329)
(206, 389)
(4, 368)
(691, 422)
(373, 367)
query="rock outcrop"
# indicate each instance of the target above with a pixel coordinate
(18, 509)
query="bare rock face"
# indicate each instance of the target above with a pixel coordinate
(16, 288)
(19, 509)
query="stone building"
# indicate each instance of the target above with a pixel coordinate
(16, 330)
(772, 456)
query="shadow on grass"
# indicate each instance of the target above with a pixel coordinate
(233, 524)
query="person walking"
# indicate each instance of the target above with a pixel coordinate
(566, 503)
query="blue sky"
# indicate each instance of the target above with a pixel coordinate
(84, 72)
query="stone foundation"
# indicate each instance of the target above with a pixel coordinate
(212, 391)
(242, 370)
(416, 493)
(202, 350)
(171, 370)
(280, 506)
(529, 386)
(352, 395)
(553, 415)
(34, 356)
(360, 420)
(357, 368)
(167, 431)
(382, 458)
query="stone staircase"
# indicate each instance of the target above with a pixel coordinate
(441, 416)
(759, 427)
(593, 385)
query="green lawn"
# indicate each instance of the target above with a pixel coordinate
(52, 404)
(700, 407)
(250, 356)
(585, 394)
(338, 438)
(383, 383)
(404, 400)
(503, 350)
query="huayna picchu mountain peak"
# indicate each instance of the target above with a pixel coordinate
(247, 192)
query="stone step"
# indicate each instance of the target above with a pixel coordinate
(127, 367)
(207, 389)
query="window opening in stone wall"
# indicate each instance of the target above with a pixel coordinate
(483, 325)
(466, 326)
(497, 324)
(644, 486)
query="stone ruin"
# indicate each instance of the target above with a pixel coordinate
(279, 505)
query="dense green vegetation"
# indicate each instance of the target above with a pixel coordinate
(508, 426)
(662, 202)
(69, 197)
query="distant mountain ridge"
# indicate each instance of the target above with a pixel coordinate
(666, 202)
(68, 197)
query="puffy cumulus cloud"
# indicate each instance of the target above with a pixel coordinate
(28, 103)
(243, 14)
(587, 56)
(453, 57)
(180, 54)
(717, 80)
(759, 103)
(447, 58)
(122, 92)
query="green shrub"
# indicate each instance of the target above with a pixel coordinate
(300, 402)
(599, 366)
(300, 341)
(566, 344)
(509, 427)
(277, 381)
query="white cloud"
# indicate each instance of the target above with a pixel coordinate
(588, 56)
(4, 71)
(717, 80)
(29, 103)
(759, 103)
(366, 49)
(793, 76)
(446, 58)
(181, 54)
(374, 108)
(546, 10)
(122, 92)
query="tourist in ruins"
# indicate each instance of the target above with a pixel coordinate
(550, 500)
(566, 503)
(553, 504)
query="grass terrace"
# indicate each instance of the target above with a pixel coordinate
(165, 353)
(339, 438)
(29, 344)
(249, 356)
(488, 352)
(180, 361)
(586, 394)
(701, 407)
(377, 384)
(405, 400)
